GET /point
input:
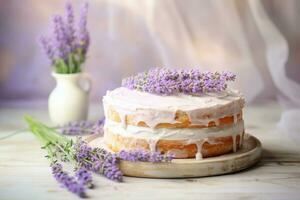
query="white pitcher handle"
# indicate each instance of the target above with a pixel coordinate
(86, 82)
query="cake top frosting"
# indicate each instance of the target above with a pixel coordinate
(133, 99)
(164, 81)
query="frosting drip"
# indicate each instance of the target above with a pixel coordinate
(197, 136)
(154, 109)
(174, 133)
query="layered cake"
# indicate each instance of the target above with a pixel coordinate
(188, 113)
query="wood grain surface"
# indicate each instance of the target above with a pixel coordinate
(25, 173)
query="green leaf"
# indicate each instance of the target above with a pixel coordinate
(71, 65)
(61, 66)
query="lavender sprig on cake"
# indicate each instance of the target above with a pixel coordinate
(164, 81)
(67, 47)
(186, 112)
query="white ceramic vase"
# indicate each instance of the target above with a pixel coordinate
(69, 101)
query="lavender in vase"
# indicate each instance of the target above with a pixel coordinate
(67, 47)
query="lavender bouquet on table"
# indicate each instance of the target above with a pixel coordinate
(67, 46)
(84, 159)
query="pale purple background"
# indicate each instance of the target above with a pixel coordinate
(131, 36)
(259, 40)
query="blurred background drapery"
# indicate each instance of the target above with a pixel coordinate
(259, 40)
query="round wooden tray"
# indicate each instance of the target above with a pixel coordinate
(244, 158)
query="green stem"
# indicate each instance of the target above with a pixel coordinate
(46, 135)
(70, 156)
(51, 154)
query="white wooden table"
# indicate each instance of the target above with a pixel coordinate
(25, 173)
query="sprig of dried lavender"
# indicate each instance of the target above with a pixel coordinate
(68, 181)
(97, 160)
(108, 169)
(82, 128)
(111, 171)
(84, 177)
(83, 38)
(84, 158)
(48, 48)
(144, 156)
(58, 147)
(164, 81)
(61, 38)
(70, 29)
(59, 174)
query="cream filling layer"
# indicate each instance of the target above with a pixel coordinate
(174, 133)
(154, 109)
(197, 136)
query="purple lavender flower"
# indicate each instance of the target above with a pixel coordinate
(144, 156)
(134, 155)
(164, 81)
(83, 38)
(84, 177)
(82, 128)
(48, 48)
(85, 158)
(83, 154)
(97, 165)
(67, 181)
(69, 19)
(98, 160)
(108, 169)
(112, 172)
(70, 45)
(61, 38)
(228, 76)
(98, 127)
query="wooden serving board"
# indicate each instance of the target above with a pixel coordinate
(244, 158)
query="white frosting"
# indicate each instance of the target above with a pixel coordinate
(199, 145)
(174, 133)
(197, 136)
(154, 109)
